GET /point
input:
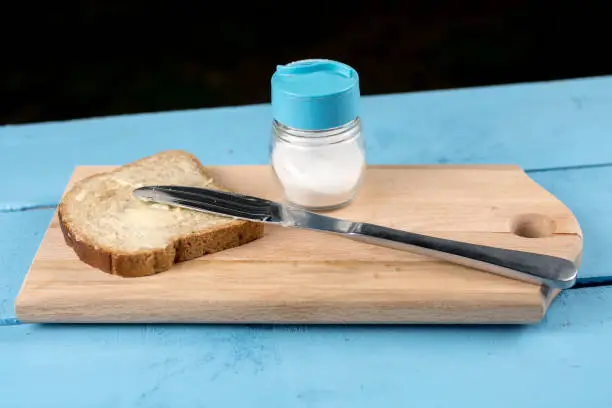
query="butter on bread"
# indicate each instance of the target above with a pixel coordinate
(110, 229)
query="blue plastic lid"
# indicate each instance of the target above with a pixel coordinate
(315, 94)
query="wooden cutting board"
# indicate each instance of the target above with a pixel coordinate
(294, 276)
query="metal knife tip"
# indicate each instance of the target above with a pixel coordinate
(144, 193)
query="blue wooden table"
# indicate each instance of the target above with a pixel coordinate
(561, 132)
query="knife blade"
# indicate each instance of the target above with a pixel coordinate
(539, 269)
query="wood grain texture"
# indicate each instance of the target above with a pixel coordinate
(292, 276)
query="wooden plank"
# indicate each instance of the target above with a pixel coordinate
(125, 366)
(297, 276)
(521, 124)
(588, 193)
(20, 235)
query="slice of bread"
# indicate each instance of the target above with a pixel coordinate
(111, 230)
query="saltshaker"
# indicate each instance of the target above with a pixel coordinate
(317, 147)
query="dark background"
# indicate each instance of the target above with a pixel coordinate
(64, 60)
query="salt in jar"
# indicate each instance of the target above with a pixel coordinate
(317, 148)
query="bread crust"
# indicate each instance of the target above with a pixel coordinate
(150, 262)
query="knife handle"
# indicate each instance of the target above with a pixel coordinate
(530, 267)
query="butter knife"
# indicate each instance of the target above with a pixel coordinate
(550, 271)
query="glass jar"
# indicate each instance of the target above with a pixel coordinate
(319, 170)
(317, 146)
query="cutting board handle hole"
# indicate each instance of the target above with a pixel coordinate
(533, 226)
